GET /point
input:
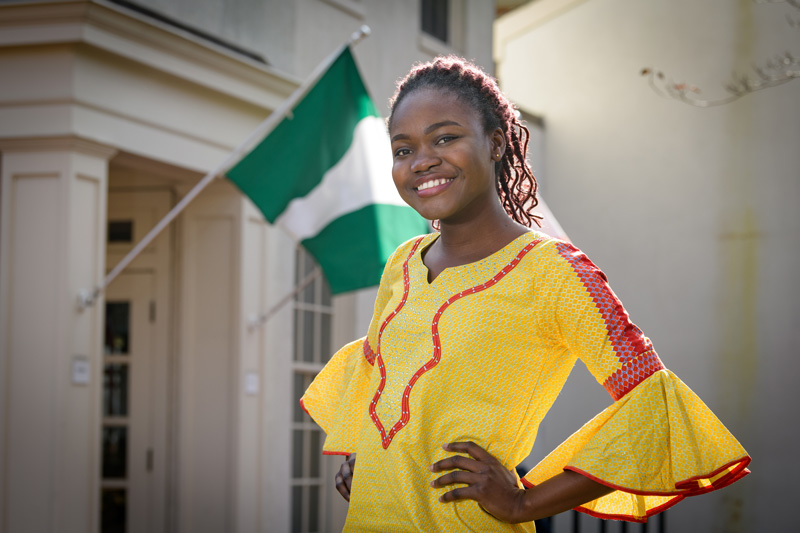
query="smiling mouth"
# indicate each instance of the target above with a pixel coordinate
(433, 183)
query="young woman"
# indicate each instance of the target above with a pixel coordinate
(475, 330)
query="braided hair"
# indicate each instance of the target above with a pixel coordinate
(514, 179)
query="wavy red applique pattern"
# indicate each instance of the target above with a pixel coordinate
(405, 416)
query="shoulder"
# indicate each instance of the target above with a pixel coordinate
(556, 258)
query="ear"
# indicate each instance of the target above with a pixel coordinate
(497, 142)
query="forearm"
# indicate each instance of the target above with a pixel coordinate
(558, 494)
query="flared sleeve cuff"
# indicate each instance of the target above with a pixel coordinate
(656, 445)
(338, 397)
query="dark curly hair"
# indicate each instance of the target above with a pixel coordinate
(515, 182)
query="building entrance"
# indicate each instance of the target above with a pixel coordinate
(135, 372)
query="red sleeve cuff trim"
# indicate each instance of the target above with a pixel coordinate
(691, 488)
(688, 487)
(633, 371)
(303, 406)
(337, 453)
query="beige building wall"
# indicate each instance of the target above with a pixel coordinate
(110, 114)
(689, 211)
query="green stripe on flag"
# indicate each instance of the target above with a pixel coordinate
(324, 175)
(353, 249)
(291, 161)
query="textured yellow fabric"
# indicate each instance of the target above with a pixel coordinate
(480, 354)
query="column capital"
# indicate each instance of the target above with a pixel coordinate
(58, 144)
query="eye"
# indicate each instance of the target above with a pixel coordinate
(401, 152)
(446, 139)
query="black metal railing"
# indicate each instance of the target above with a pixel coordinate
(582, 523)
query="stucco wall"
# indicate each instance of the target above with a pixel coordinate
(691, 212)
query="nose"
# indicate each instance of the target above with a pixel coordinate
(424, 160)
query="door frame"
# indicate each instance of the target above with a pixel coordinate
(145, 207)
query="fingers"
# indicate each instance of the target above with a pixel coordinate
(470, 448)
(344, 479)
(456, 461)
(463, 493)
(457, 476)
(343, 489)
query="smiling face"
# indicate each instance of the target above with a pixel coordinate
(443, 159)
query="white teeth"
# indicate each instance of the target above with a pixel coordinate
(432, 183)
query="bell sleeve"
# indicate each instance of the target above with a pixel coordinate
(338, 398)
(658, 442)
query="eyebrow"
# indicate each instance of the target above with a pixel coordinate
(432, 127)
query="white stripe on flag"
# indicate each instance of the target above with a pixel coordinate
(362, 177)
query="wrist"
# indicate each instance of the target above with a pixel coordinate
(524, 506)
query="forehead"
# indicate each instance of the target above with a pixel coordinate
(431, 105)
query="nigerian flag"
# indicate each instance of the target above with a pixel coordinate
(324, 175)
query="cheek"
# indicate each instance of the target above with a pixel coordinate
(397, 175)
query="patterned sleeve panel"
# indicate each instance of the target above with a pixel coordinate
(598, 329)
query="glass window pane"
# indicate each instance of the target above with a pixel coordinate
(316, 452)
(307, 294)
(115, 390)
(297, 453)
(117, 326)
(308, 263)
(308, 336)
(326, 293)
(308, 379)
(297, 508)
(325, 337)
(120, 231)
(298, 264)
(115, 452)
(299, 389)
(313, 508)
(434, 18)
(113, 505)
(298, 334)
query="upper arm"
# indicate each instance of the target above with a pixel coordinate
(597, 327)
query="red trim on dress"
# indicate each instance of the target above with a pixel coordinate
(633, 372)
(303, 406)
(738, 471)
(386, 438)
(627, 340)
(406, 287)
(369, 355)
(336, 453)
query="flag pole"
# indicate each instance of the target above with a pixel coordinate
(87, 298)
(255, 321)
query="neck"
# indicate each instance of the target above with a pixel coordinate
(479, 237)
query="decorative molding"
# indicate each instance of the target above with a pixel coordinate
(125, 33)
(54, 144)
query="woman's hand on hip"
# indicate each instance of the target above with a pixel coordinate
(488, 482)
(344, 479)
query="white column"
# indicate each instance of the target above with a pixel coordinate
(208, 360)
(52, 245)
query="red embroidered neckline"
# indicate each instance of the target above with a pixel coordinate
(386, 438)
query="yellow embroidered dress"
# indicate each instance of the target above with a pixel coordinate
(480, 354)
